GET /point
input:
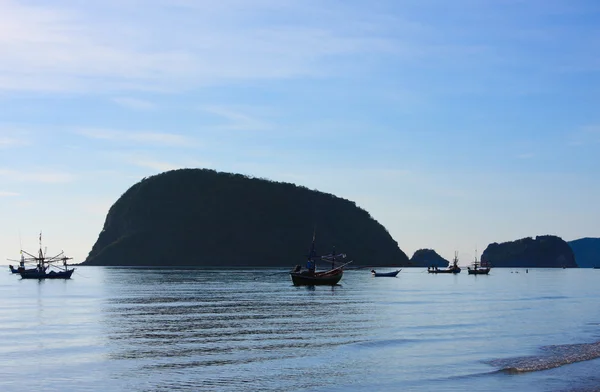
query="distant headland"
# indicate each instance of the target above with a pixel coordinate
(587, 252)
(428, 258)
(205, 218)
(545, 251)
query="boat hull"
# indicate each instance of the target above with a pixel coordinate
(327, 278)
(447, 271)
(20, 269)
(385, 274)
(47, 275)
(479, 271)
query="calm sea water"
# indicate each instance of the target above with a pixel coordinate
(131, 330)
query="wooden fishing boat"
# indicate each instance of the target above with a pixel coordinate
(44, 265)
(47, 275)
(309, 276)
(476, 268)
(323, 278)
(385, 274)
(453, 269)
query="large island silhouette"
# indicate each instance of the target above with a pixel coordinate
(205, 218)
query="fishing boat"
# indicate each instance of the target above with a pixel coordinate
(453, 269)
(476, 268)
(46, 266)
(385, 274)
(309, 276)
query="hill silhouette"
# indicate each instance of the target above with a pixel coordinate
(428, 258)
(199, 217)
(587, 252)
(542, 252)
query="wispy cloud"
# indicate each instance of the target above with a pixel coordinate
(12, 142)
(160, 166)
(37, 176)
(8, 194)
(235, 119)
(134, 103)
(526, 155)
(153, 138)
(50, 47)
(12, 135)
(587, 135)
(156, 164)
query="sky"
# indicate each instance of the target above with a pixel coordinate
(455, 124)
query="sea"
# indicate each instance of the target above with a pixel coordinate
(136, 329)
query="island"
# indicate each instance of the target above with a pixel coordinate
(545, 251)
(205, 218)
(587, 252)
(428, 258)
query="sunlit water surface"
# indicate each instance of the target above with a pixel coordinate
(132, 330)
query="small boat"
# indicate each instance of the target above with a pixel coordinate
(43, 265)
(309, 276)
(385, 274)
(453, 269)
(477, 268)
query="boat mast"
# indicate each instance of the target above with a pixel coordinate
(333, 258)
(311, 266)
(41, 255)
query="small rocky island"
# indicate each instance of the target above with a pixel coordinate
(428, 258)
(204, 218)
(546, 251)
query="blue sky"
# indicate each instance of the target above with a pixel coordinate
(454, 123)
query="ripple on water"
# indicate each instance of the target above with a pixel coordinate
(551, 357)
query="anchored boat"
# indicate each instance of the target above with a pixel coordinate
(477, 268)
(385, 274)
(45, 266)
(309, 276)
(453, 269)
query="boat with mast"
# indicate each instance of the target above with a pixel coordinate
(44, 265)
(309, 276)
(477, 267)
(453, 269)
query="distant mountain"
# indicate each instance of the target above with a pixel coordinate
(197, 217)
(542, 252)
(428, 258)
(587, 252)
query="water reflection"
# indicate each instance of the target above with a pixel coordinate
(213, 321)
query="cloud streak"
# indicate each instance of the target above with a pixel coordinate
(6, 142)
(64, 49)
(134, 103)
(38, 176)
(151, 138)
(585, 136)
(237, 120)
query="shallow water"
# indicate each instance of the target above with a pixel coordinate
(229, 330)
